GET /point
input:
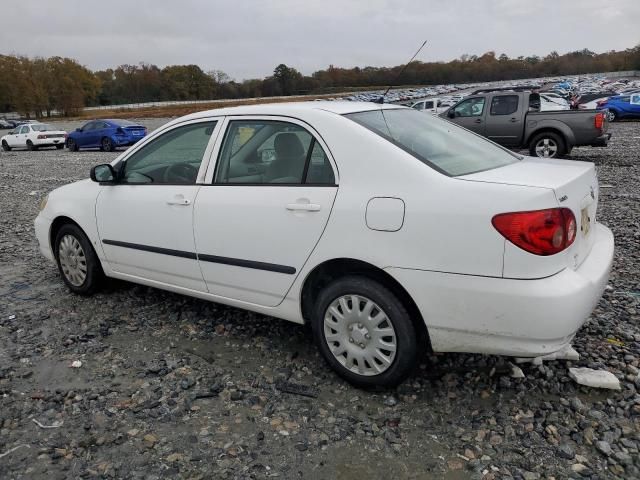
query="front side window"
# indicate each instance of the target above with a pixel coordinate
(89, 127)
(271, 152)
(24, 129)
(473, 107)
(504, 105)
(442, 145)
(419, 106)
(172, 158)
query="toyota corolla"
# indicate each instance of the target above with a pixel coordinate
(389, 231)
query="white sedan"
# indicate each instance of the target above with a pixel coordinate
(33, 136)
(389, 231)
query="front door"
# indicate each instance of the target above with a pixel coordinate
(470, 114)
(19, 139)
(265, 209)
(505, 121)
(145, 219)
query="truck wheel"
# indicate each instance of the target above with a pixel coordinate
(547, 145)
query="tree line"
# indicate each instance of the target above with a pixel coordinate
(39, 86)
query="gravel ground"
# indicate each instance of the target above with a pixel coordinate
(173, 387)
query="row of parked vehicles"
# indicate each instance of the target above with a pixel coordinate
(107, 135)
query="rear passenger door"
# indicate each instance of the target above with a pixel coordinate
(261, 213)
(504, 122)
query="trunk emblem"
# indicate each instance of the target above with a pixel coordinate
(593, 195)
(563, 198)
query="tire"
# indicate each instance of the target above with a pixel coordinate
(31, 146)
(612, 116)
(71, 239)
(354, 333)
(547, 145)
(59, 147)
(72, 145)
(5, 146)
(106, 145)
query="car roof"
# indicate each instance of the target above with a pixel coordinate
(293, 109)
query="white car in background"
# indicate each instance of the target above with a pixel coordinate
(549, 103)
(33, 136)
(389, 231)
(430, 105)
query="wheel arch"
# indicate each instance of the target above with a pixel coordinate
(56, 225)
(329, 270)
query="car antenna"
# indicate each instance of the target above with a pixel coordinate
(381, 99)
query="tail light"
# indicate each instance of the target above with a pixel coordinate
(40, 137)
(120, 131)
(598, 121)
(541, 232)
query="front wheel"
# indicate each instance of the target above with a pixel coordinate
(364, 332)
(547, 145)
(77, 261)
(72, 145)
(5, 146)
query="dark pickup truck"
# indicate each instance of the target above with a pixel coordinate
(513, 119)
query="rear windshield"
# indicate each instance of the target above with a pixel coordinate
(124, 123)
(446, 147)
(42, 127)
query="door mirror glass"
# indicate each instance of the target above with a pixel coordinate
(103, 173)
(451, 113)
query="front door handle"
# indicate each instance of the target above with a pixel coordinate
(513, 120)
(304, 207)
(478, 121)
(179, 200)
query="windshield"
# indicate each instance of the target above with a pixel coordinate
(42, 127)
(446, 147)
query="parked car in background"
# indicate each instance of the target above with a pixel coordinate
(107, 135)
(4, 124)
(513, 118)
(430, 105)
(33, 136)
(620, 107)
(550, 103)
(469, 247)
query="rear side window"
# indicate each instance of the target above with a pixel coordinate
(258, 152)
(442, 145)
(504, 105)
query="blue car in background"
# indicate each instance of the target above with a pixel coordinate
(621, 106)
(106, 135)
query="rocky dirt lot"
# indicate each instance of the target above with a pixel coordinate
(173, 387)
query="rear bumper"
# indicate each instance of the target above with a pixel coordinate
(48, 142)
(526, 318)
(602, 140)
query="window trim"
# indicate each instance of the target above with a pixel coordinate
(224, 125)
(119, 163)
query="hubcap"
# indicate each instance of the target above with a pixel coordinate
(72, 260)
(612, 116)
(546, 147)
(360, 335)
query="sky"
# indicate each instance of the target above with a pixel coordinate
(248, 38)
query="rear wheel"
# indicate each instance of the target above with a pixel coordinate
(77, 261)
(547, 145)
(72, 145)
(59, 147)
(5, 146)
(107, 145)
(612, 116)
(31, 146)
(364, 332)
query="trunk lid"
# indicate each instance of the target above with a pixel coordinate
(575, 186)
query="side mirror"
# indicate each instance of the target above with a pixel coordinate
(451, 113)
(79, 130)
(103, 173)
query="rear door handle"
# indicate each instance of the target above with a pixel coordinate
(478, 121)
(179, 200)
(305, 207)
(513, 120)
